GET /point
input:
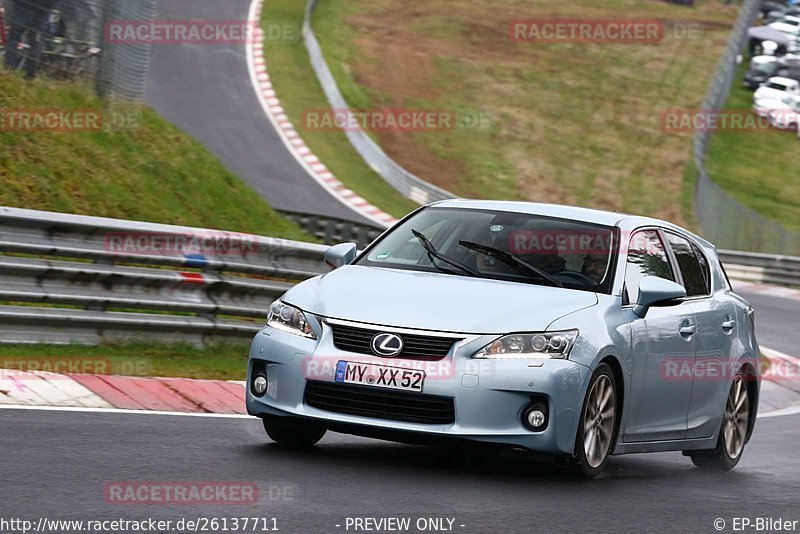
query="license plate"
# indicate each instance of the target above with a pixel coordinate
(381, 376)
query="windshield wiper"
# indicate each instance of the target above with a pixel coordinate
(513, 261)
(433, 253)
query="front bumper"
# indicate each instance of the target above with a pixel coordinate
(489, 396)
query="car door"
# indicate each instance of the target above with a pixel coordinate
(716, 326)
(663, 348)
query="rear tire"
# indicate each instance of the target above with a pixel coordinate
(293, 432)
(597, 425)
(732, 433)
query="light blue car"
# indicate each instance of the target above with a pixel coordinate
(534, 328)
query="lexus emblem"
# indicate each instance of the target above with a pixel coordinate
(387, 344)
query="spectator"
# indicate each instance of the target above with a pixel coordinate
(27, 19)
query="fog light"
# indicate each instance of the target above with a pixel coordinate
(259, 385)
(536, 418)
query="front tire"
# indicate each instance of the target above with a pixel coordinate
(293, 432)
(733, 432)
(597, 425)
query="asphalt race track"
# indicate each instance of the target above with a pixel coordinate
(776, 322)
(205, 89)
(57, 464)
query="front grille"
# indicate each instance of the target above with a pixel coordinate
(380, 403)
(415, 347)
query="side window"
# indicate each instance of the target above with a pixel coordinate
(704, 266)
(694, 276)
(646, 257)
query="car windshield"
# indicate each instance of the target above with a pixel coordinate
(775, 85)
(766, 69)
(501, 245)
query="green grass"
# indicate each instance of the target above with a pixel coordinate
(223, 362)
(575, 123)
(150, 171)
(296, 85)
(758, 167)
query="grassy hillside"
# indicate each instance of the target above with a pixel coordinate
(149, 170)
(758, 167)
(569, 122)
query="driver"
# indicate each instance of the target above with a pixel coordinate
(594, 267)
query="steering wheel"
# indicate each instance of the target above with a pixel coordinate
(580, 277)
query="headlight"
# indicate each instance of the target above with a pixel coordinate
(289, 319)
(535, 345)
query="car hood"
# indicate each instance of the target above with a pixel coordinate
(769, 93)
(771, 103)
(434, 301)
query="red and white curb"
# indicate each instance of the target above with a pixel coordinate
(37, 390)
(257, 66)
(158, 395)
(782, 373)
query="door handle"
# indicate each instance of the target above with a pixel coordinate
(687, 330)
(728, 325)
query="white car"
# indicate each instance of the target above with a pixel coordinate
(762, 60)
(785, 119)
(778, 88)
(789, 25)
(763, 107)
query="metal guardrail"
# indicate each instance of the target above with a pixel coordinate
(722, 218)
(762, 268)
(402, 180)
(76, 279)
(331, 231)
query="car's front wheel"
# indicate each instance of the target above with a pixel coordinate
(597, 423)
(733, 434)
(293, 432)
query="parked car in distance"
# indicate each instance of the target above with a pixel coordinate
(785, 118)
(532, 328)
(762, 60)
(765, 105)
(793, 73)
(774, 16)
(759, 74)
(778, 87)
(789, 25)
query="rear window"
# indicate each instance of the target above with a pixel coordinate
(778, 86)
(692, 264)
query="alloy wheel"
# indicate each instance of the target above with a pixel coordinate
(598, 421)
(737, 415)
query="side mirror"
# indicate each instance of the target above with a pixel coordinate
(341, 254)
(654, 291)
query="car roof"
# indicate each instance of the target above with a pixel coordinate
(781, 79)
